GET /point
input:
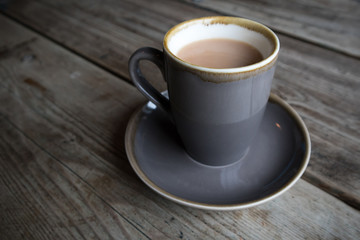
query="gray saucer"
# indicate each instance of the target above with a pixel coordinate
(276, 160)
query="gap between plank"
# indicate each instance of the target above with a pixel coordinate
(73, 172)
(312, 179)
(73, 51)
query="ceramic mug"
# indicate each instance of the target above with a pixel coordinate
(217, 112)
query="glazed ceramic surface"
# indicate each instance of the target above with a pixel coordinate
(217, 112)
(276, 159)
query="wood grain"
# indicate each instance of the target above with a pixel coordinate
(62, 128)
(322, 85)
(43, 199)
(332, 24)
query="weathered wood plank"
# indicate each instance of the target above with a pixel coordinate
(72, 125)
(42, 199)
(333, 24)
(322, 85)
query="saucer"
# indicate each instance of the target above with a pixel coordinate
(276, 159)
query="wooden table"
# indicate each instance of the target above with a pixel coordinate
(66, 99)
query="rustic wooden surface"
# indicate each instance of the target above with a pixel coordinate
(309, 77)
(65, 99)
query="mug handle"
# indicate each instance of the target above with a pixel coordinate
(157, 57)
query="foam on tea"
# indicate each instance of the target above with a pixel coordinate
(220, 53)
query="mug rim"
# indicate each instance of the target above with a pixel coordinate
(242, 22)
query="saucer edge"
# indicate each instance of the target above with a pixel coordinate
(129, 142)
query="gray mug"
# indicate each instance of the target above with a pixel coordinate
(217, 112)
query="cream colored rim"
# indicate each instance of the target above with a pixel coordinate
(258, 27)
(129, 147)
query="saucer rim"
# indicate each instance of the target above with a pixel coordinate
(130, 151)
